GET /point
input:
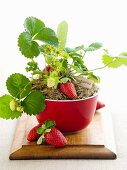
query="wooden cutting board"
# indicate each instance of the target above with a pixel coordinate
(94, 142)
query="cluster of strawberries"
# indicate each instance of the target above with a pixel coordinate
(47, 133)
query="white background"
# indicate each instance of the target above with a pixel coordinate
(89, 21)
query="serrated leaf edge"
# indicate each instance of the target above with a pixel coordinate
(29, 57)
(33, 112)
(11, 118)
(10, 77)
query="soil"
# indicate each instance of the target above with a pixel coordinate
(82, 91)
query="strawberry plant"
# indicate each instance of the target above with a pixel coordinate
(63, 68)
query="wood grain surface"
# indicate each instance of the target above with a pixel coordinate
(94, 142)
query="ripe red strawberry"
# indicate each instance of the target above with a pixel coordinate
(55, 137)
(47, 68)
(33, 135)
(99, 105)
(69, 90)
(50, 134)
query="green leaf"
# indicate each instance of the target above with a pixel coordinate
(64, 63)
(73, 50)
(32, 66)
(41, 129)
(94, 78)
(93, 46)
(105, 50)
(49, 124)
(18, 85)
(123, 61)
(78, 62)
(47, 35)
(33, 25)
(81, 47)
(62, 34)
(48, 59)
(34, 103)
(107, 59)
(112, 62)
(27, 46)
(69, 50)
(65, 80)
(46, 127)
(65, 55)
(5, 111)
(76, 54)
(123, 54)
(42, 48)
(76, 68)
(116, 63)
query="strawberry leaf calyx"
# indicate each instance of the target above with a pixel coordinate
(45, 128)
(50, 124)
(65, 80)
(41, 139)
(41, 129)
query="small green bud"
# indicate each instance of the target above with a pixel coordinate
(50, 82)
(54, 74)
(65, 55)
(12, 105)
(19, 108)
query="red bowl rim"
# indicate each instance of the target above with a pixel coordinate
(76, 100)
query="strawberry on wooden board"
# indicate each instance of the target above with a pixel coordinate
(99, 105)
(50, 134)
(55, 137)
(33, 135)
(68, 89)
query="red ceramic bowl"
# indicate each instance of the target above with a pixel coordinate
(69, 115)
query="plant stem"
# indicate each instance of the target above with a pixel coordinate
(44, 60)
(84, 54)
(99, 68)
